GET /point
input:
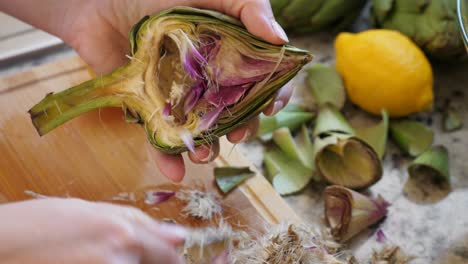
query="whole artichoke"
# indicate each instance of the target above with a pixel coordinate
(305, 16)
(194, 75)
(431, 24)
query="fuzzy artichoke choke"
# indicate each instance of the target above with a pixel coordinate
(195, 75)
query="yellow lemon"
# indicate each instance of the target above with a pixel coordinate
(383, 69)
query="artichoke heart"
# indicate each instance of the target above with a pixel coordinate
(194, 75)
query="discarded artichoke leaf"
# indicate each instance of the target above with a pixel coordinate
(411, 136)
(285, 141)
(452, 120)
(329, 119)
(193, 75)
(347, 161)
(292, 117)
(300, 149)
(306, 148)
(326, 86)
(228, 178)
(390, 254)
(155, 197)
(348, 212)
(341, 157)
(433, 163)
(287, 176)
(376, 136)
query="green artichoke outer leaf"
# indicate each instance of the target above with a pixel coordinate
(302, 16)
(381, 9)
(432, 25)
(347, 161)
(292, 117)
(287, 175)
(411, 136)
(452, 120)
(133, 32)
(329, 119)
(376, 136)
(285, 141)
(278, 5)
(306, 148)
(326, 85)
(194, 76)
(300, 149)
(228, 178)
(433, 163)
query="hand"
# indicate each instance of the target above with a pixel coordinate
(78, 232)
(98, 31)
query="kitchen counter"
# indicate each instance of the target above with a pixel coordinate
(427, 223)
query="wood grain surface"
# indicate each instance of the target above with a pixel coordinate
(97, 156)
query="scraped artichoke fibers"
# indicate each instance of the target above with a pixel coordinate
(194, 75)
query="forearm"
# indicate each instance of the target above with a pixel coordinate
(49, 15)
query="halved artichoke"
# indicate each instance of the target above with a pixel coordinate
(194, 75)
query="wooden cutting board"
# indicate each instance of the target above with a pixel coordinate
(98, 156)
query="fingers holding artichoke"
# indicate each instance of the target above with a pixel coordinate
(194, 75)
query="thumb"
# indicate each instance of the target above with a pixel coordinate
(258, 18)
(256, 15)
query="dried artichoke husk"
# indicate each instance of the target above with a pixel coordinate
(341, 157)
(433, 163)
(411, 136)
(194, 75)
(452, 120)
(348, 212)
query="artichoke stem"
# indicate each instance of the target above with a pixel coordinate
(56, 109)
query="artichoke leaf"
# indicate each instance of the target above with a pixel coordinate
(300, 149)
(329, 119)
(376, 136)
(287, 176)
(326, 86)
(228, 178)
(452, 120)
(341, 157)
(347, 161)
(433, 163)
(411, 136)
(292, 117)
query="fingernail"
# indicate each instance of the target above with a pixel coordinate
(208, 157)
(175, 230)
(246, 136)
(277, 106)
(279, 31)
